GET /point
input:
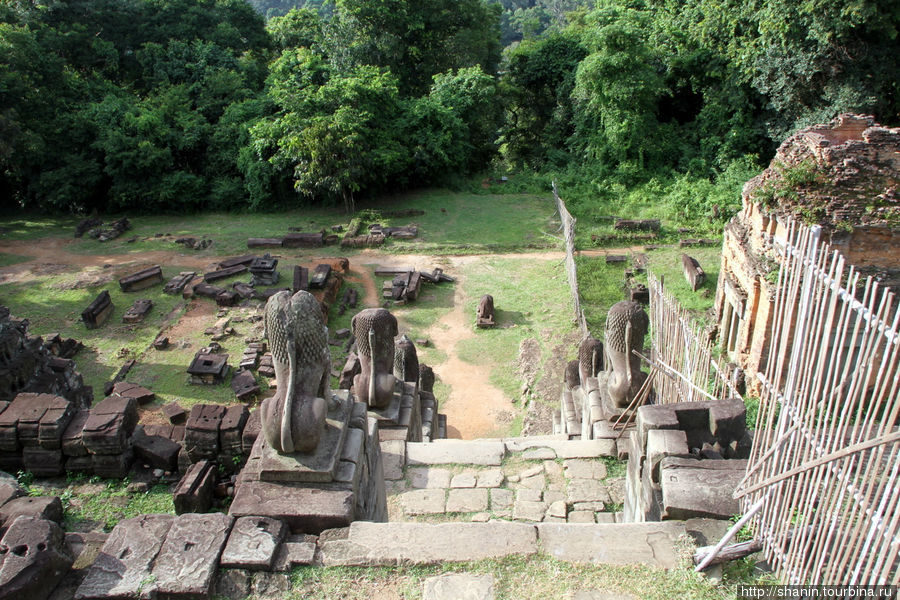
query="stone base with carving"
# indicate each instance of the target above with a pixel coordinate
(342, 481)
(402, 418)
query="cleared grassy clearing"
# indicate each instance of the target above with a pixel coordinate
(454, 223)
(515, 578)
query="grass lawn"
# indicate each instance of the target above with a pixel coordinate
(454, 223)
(537, 577)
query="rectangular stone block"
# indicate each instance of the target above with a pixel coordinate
(253, 543)
(372, 544)
(124, 565)
(662, 443)
(195, 490)
(700, 488)
(201, 436)
(652, 544)
(441, 452)
(114, 466)
(251, 431)
(189, 556)
(35, 406)
(110, 425)
(54, 423)
(231, 428)
(304, 509)
(43, 462)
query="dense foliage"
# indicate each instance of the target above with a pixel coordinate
(193, 104)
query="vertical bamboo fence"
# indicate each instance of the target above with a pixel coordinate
(568, 228)
(825, 467)
(681, 351)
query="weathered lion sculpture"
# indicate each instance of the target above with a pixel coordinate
(590, 358)
(406, 360)
(484, 314)
(293, 419)
(626, 326)
(374, 330)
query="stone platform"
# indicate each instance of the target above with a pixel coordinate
(338, 483)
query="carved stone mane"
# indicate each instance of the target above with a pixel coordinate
(293, 419)
(374, 330)
(626, 326)
(590, 358)
(406, 360)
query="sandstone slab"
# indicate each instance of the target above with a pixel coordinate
(424, 502)
(369, 544)
(189, 556)
(393, 456)
(126, 559)
(304, 509)
(650, 544)
(428, 477)
(467, 500)
(253, 543)
(35, 558)
(459, 586)
(443, 452)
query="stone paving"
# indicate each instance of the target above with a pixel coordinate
(534, 481)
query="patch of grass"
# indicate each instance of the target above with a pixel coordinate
(601, 285)
(453, 223)
(467, 223)
(614, 467)
(536, 577)
(531, 300)
(12, 259)
(666, 263)
(91, 502)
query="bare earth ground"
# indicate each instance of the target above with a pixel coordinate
(475, 407)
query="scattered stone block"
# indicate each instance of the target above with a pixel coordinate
(637, 224)
(35, 558)
(157, 451)
(253, 543)
(177, 284)
(320, 276)
(201, 436)
(113, 466)
(40, 507)
(137, 311)
(174, 413)
(223, 273)
(142, 279)
(231, 429)
(110, 425)
(459, 586)
(186, 564)
(263, 271)
(140, 394)
(304, 240)
(252, 429)
(194, 492)
(693, 272)
(490, 478)
(244, 385)
(300, 279)
(98, 311)
(208, 369)
(123, 567)
(295, 550)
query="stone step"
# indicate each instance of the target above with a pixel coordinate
(373, 544)
(564, 447)
(444, 452)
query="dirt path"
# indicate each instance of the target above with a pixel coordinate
(475, 408)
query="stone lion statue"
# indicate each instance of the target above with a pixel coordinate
(590, 358)
(293, 419)
(406, 360)
(626, 326)
(374, 330)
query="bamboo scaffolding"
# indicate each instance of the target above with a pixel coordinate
(827, 438)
